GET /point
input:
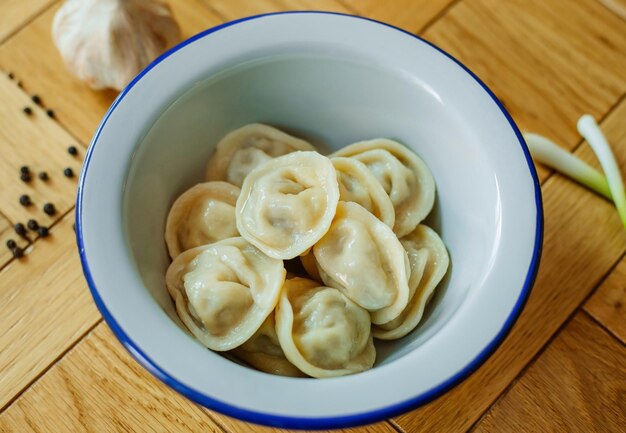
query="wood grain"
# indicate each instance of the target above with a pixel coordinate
(577, 385)
(583, 239)
(33, 58)
(15, 13)
(98, 387)
(549, 62)
(6, 233)
(608, 303)
(46, 307)
(411, 15)
(38, 142)
(233, 9)
(618, 7)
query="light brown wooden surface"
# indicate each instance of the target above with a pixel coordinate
(233, 9)
(14, 14)
(559, 392)
(41, 144)
(549, 62)
(98, 387)
(46, 307)
(583, 239)
(608, 303)
(78, 108)
(411, 15)
(6, 233)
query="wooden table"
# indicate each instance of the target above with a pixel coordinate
(562, 368)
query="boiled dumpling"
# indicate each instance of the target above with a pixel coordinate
(359, 185)
(224, 291)
(429, 262)
(202, 215)
(321, 331)
(364, 259)
(287, 204)
(263, 352)
(404, 176)
(244, 149)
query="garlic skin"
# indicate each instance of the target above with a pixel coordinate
(106, 43)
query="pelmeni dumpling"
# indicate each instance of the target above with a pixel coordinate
(288, 203)
(263, 352)
(429, 262)
(202, 215)
(224, 291)
(244, 149)
(403, 175)
(359, 185)
(364, 259)
(321, 331)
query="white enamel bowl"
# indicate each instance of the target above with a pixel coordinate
(333, 79)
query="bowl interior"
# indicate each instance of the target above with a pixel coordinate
(332, 100)
(334, 80)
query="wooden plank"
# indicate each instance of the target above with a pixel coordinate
(98, 387)
(583, 239)
(577, 385)
(233, 9)
(6, 233)
(608, 303)
(46, 307)
(15, 13)
(549, 62)
(235, 426)
(78, 108)
(618, 7)
(411, 15)
(38, 142)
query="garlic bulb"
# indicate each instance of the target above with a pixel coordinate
(105, 43)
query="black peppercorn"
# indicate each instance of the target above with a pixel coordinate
(32, 224)
(28, 110)
(11, 76)
(20, 229)
(43, 232)
(25, 200)
(11, 244)
(24, 169)
(68, 172)
(49, 209)
(72, 150)
(25, 177)
(18, 252)
(36, 99)
(19, 84)
(50, 113)
(43, 176)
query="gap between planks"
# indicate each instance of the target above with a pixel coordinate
(45, 370)
(550, 340)
(598, 322)
(441, 14)
(29, 247)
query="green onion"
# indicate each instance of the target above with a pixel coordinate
(549, 153)
(588, 128)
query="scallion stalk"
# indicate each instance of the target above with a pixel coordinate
(588, 128)
(549, 153)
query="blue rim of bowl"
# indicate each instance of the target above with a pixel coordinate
(318, 422)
